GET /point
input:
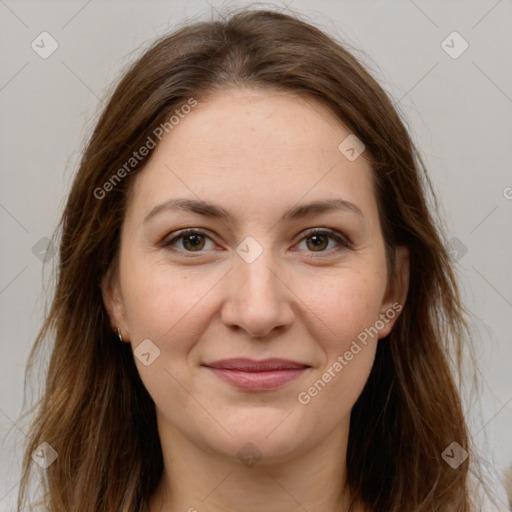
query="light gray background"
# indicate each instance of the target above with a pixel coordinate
(458, 110)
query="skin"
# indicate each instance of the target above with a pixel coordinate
(256, 154)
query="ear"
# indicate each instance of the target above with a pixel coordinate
(396, 293)
(112, 300)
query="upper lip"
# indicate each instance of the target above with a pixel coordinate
(251, 365)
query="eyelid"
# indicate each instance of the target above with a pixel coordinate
(342, 239)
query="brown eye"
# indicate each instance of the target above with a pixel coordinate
(191, 241)
(317, 241)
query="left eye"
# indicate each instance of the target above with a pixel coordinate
(316, 241)
(319, 239)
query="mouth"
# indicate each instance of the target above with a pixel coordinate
(250, 375)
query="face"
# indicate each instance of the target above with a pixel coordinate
(258, 282)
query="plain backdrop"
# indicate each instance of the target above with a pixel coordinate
(457, 105)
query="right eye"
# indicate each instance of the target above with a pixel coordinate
(192, 240)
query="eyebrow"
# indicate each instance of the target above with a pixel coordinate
(217, 212)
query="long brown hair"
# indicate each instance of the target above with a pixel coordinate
(95, 411)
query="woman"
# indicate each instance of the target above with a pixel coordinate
(300, 359)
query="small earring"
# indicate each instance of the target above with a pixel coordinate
(119, 334)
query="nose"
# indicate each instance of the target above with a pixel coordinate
(258, 298)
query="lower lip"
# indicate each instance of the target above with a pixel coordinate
(257, 381)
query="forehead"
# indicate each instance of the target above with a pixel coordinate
(267, 123)
(253, 148)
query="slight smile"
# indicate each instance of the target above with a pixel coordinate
(250, 375)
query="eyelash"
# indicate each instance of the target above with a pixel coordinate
(343, 241)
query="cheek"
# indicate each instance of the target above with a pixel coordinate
(161, 302)
(170, 308)
(334, 390)
(347, 308)
(343, 305)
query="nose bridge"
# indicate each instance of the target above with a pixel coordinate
(256, 268)
(258, 299)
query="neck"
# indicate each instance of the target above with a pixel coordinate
(196, 479)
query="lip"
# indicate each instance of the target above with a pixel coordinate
(250, 365)
(250, 375)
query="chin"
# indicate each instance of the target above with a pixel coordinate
(266, 438)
